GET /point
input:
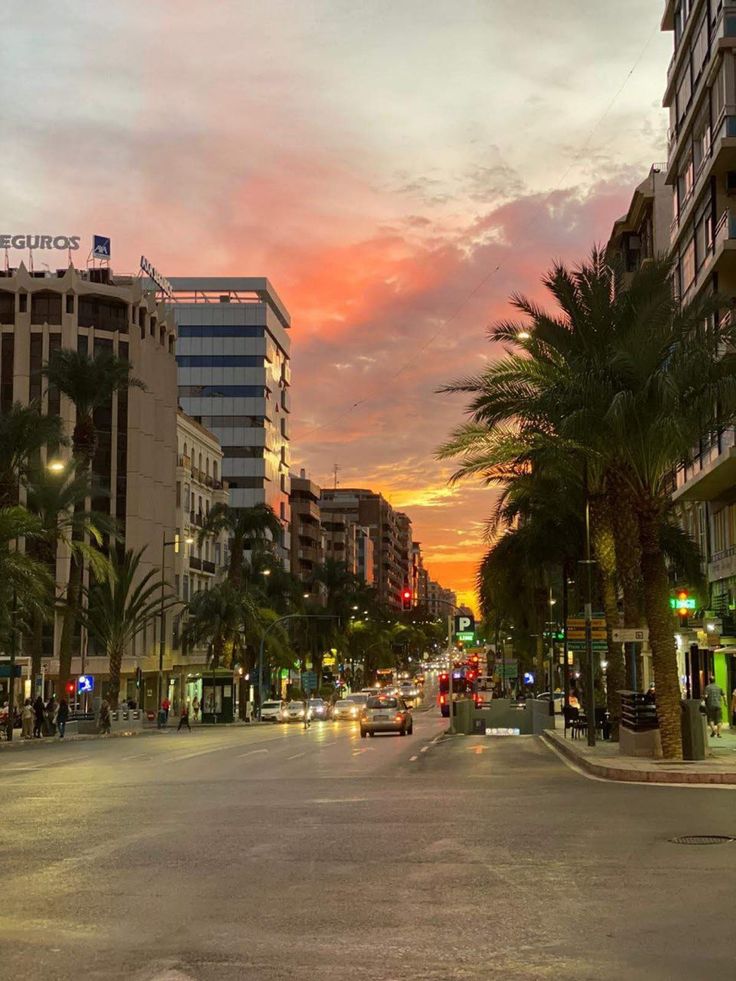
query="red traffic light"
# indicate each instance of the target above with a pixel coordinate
(406, 599)
(69, 687)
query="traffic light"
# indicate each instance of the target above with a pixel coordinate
(69, 687)
(682, 604)
(406, 598)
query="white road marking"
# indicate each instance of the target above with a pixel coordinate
(413, 759)
(295, 757)
(424, 749)
(251, 752)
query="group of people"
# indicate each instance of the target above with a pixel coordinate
(39, 718)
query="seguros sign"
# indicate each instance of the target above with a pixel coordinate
(34, 242)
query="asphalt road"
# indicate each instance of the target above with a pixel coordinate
(277, 853)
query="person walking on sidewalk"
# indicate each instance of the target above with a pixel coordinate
(38, 714)
(50, 716)
(104, 724)
(714, 697)
(184, 718)
(195, 708)
(166, 705)
(62, 715)
(26, 717)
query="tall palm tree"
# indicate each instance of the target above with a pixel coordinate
(243, 526)
(57, 500)
(625, 382)
(121, 603)
(89, 382)
(24, 431)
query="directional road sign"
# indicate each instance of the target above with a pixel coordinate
(309, 681)
(637, 635)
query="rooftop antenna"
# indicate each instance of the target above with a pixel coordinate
(335, 471)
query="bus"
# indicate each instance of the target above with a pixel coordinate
(464, 685)
(384, 677)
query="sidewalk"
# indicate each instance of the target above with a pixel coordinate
(603, 760)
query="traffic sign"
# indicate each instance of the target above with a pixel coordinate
(580, 634)
(309, 681)
(5, 670)
(466, 636)
(464, 623)
(85, 684)
(634, 635)
(579, 645)
(578, 623)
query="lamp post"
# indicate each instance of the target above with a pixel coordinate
(162, 637)
(552, 602)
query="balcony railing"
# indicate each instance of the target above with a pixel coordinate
(194, 562)
(208, 566)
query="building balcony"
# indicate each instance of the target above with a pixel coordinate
(712, 475)
(194, 562)
(208, 566)
(722, 564)
(718, 163)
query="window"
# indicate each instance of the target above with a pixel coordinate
(234, 422)
(70, 303)
(7, 308)
(36, 365)
(687, 266)
(22, 303)
(46, 308)
(221, 391)
(103, 313)
(214, 470)
(186, 497)
(684, 92)
(242, 452)
(229, 330)
(7, 352)
(222, 361)
(178, 493)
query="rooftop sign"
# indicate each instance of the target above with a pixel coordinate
(39, 242)
(161, 281)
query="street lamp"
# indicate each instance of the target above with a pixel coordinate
(162, 637)
(56, 466)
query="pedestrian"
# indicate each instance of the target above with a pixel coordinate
(50, 716)
(184, 718)
(104, 724)
(62, 716)
(195, 708)
(714, 697)
(38, 717)
(27, 716)
(166, 705)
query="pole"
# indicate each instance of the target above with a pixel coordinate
(11, 679)
(565, 614)
(162, 637)
(590, 708)
(450, 666)
(551, 656)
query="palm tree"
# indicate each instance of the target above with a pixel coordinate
(243, 526)
(120, 604)
(27, 586)
(89, 382)
(623, 382)
(24, 431)
(56, 500)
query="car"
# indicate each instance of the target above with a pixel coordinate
(318, 708)
(559, 699)
(346, 708)
(295, 712)
(273, 711)
(386, 713)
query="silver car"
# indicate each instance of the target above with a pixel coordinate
(273, 711)
(346, 709)
(386, 713)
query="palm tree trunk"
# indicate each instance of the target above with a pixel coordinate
(604, 549)
(36, 646)
(235, 569)
(113, 691)
(628, 561)
(661, 636)
(71, 611)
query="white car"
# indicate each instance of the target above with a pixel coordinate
(346, 708)
(295, 712)
(273, 712)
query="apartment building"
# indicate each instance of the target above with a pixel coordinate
(307, 549)
(701, 172)
(644, 231)
(233, 355)
(361, 508)
(94, 310)
(441, 602)
(418, 578)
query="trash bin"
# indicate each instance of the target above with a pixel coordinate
(479, 727)
(693, 730)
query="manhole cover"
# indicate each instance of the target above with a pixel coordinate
(702, 839)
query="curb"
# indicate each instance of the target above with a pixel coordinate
(624, 775)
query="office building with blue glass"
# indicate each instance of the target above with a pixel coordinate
(234, 375)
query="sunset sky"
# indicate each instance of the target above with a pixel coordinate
(395, 169)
